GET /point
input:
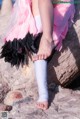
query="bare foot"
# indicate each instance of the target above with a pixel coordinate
(42, 105)
(45, 49)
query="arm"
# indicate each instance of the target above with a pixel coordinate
(46, 12)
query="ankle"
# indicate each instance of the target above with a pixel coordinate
(48, 38)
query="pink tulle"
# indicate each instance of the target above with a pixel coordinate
(22, 21)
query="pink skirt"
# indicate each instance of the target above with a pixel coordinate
(22, 22)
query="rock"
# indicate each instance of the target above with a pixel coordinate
(13, 96)
(8, 108)
(4, 88)
(2, 107)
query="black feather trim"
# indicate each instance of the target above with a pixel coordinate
(18, 52)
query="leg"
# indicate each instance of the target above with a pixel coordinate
(41, 77)
(35, 8)
(46, 44)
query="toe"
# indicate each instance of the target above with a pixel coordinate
(45, 107)
(42, 105)
(38, 105)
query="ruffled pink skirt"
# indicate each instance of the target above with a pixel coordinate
(22, 21)
(18, 41)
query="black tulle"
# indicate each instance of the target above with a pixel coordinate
(18, 52)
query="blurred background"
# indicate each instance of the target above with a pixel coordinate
(2, 0)
(13, 1)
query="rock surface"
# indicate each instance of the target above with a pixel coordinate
(64, 103)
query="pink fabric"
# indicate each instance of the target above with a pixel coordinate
(22, 21)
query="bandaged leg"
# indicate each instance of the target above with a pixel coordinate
(41, 74)
(41, 77)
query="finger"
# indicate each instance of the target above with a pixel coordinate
(35, 58)
(45, 56)
(41, 56)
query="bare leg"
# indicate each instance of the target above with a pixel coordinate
(35, 8)
(46, 44)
